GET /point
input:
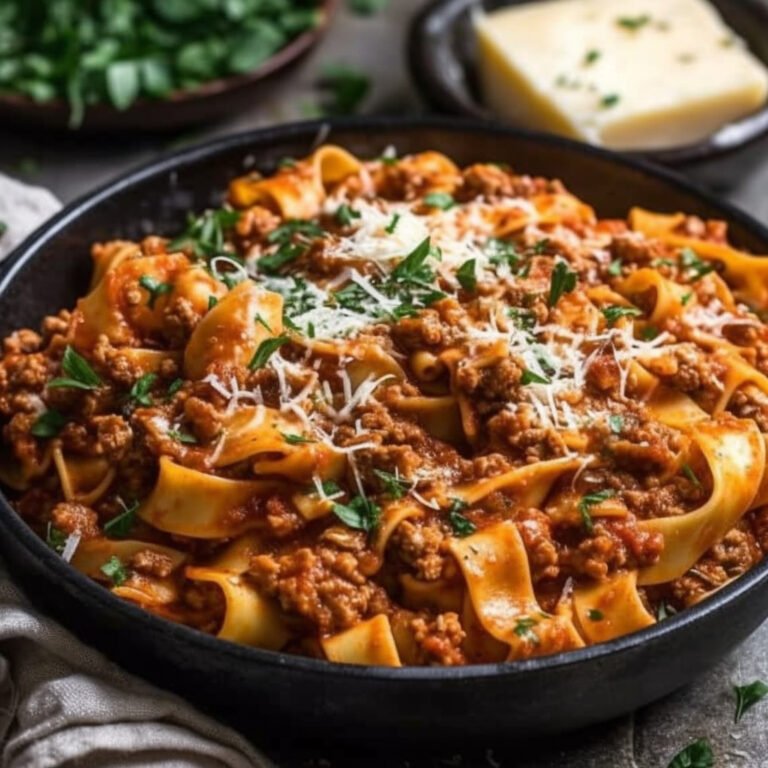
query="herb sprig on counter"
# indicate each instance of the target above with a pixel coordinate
(117, 52)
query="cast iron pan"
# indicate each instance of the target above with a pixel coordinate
(442, 56)
(271, 694)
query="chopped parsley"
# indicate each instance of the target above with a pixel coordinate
(265, 351)
(441, 200)
(259, 320)
(633, 23)
(691, 475)
(686, 297)
(650, 332)
(747, 696)
(204, 236)
(361, 513)
(78, 373)
(461, 525)
(695, 267)
(614, 313)
(180, 436)
(286, 162)
(173, 388)
(48, 424)
(346, 215)
(393, 485)
(344, 88)
(212, 302)
(614, 268)
(466, 275)
(563, 280)
(695, 755)
(285, 254)
(529, 377)
(524, 628)
(392, 226)
(524, 319)
(154, 288)
(540, 246)
(55, 538)
(610, 100)
(594, 615)
(591, 57)
(292, 439)
(501, 252)
(121, 525)
(140, 391)
(288, 250)
(589, 501)
(115, 570)
(616, 423)
(302, 227)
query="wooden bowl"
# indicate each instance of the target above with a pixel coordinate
(180, 109)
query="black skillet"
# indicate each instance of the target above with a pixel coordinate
(265, 693)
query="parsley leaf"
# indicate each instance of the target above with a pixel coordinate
(265, 351)
(694, 265)
(592, 56)
(529, 377)
(633, 23)
(48, 424)
(595, 615)
(361, 513)
(691, 475)
(173, 388)
(610, 100)
(140, 391)
(346, 215)
(55, 538)
(285, 254)
(462, 526)
(695, 755)
(466, 275)
(441, 200)
(345, 88)
(302, 227)
(79, 374)
(394, 486)
(589, 501)
(563, 280)
(204, 236)
(121, 525)
(501, 252)
(614, 268)
(616, 423)
(747, 696)
(115, 570)
(613, 313)
(180, 436)
(412, 266)
(292, 439)
(524, 628)
(392, 226)
(155, 288)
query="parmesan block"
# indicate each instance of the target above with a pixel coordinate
(627, 74)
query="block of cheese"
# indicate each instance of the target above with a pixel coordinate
(627, 74)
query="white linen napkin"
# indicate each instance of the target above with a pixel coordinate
(63, 704)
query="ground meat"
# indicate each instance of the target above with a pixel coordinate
(421, 545)
(22, 342)
(735, 554)
(649, 446)
(179, 320)
(630, 249)
(749, 402)
(498, 381)
(323, 585)
(206, 421)
(615, 544)
(656, 500)
(152, 563)
(520, 434)
(56, 325)
(115, 365)
(415, 333)
(758, 520)
(440, 639)
(69, 517)
(604, 375)
(536, 532)
(280, 518)
(113, 436)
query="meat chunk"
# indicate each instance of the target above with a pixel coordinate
(69, 518)
(440, 639)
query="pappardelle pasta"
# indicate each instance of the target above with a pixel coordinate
(394, 412)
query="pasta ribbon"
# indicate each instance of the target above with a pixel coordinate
(249, 618)
(83, 479)
(230, 334)
(199, 505)
(610, 608)
(369, 642)
(666, 296)
(735, 453)
(495, 567)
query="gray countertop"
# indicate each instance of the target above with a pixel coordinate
(71, 165)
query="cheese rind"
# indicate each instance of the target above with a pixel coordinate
(627, 74)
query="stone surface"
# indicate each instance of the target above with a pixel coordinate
(70, 166)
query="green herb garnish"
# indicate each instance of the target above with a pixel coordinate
(466, 275)
(345, 89)
(530, 377)
(695, 755)
(591, 57)
(610, 100)
(392, 226)
(616, 423)
(204, 236)
(747, 696)
(614, 313)
(691, 475)
(173, 388)
(55, 538)
(393, 485)
(633, 23)
(695, 266)
(115, 570)
(78, 373)
(441, 200)
(361, 513)
(589, 501)
(121, 525)
(48, 424)
(140, 391)
(180, 436)
(524, 628)
(594, 615)
(346, 215)
(563, 280)
(461, 525)
(265, 351)
(292, 439)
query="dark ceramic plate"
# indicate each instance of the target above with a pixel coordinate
(265, 692)
(181, 109)
(442, 56)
